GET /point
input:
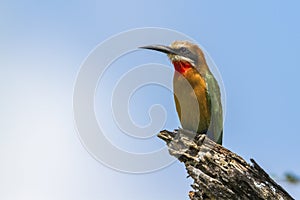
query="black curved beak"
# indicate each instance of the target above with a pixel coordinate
(161, 48)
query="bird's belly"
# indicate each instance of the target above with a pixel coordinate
(191, 104)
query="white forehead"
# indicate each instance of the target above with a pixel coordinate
(178, 44)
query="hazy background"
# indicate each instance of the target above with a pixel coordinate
(255, 45)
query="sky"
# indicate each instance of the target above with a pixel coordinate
(45, 46)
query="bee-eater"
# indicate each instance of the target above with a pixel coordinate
(194, 82)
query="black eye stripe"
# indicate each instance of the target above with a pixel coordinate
(184, 51)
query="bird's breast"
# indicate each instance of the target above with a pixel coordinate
(191, 100)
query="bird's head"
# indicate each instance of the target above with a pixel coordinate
(183, 54)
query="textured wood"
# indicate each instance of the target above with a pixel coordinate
(219, 173)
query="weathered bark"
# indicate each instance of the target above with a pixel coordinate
(219, 173)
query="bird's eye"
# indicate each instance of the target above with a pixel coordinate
(183, 49)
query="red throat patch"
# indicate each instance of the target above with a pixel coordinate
(181, 66)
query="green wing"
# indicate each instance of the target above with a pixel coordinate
(215, 130)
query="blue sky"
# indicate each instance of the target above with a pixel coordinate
(43, 44)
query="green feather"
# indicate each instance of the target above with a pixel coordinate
(215, 129)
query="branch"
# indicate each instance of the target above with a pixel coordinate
(219, 173)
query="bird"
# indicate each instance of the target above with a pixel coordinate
(196, 91)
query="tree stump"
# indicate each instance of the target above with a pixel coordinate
(217, 172)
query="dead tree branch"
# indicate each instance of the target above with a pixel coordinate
(219, 173)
